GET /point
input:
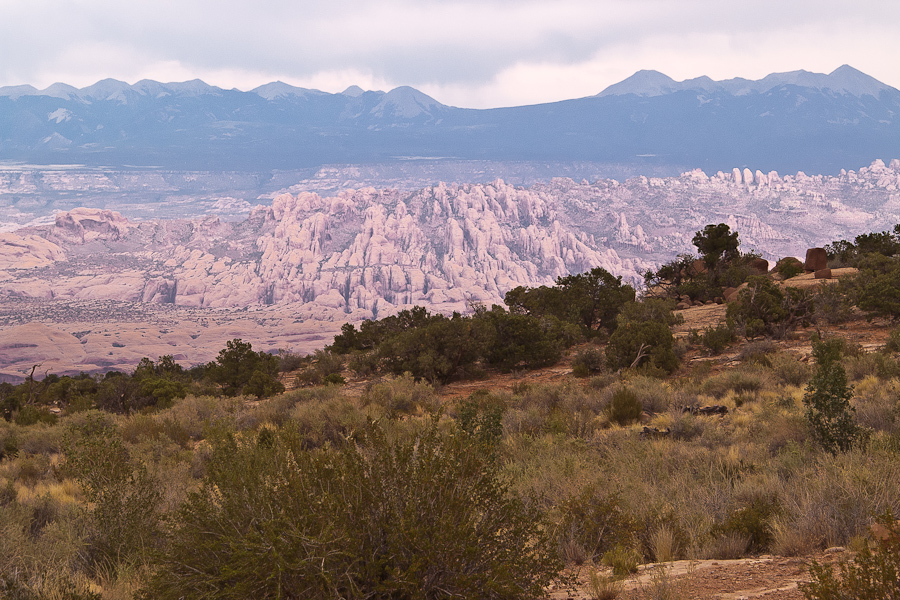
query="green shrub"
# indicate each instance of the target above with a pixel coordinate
(717, 338)
(31, 415)
(624, 407)
(827, 400)
(876, 287)
(437, 351)
(587, 362)
(763, 308)
(752, 522)
(515, 341)
(716, 243)
(424, 518)
(240, 370)
(873, 575)
(637, 343)
(591, 300)
(334, 379)
(596, 522)
(123, 519)
(363, 364)
(893, 341)
(324, 364)
(789, 267)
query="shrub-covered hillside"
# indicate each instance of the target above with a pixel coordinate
(771, 430)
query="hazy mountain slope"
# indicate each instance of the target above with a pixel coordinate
(786, 121)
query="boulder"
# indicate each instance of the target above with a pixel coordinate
(759, 266)
(816, 260)
(682, 305)
(787, 264)
(730, 294)
(823, 274)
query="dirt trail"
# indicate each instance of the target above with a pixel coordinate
(768, 577)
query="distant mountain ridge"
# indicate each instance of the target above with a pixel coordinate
(786, 121)
(843, 80)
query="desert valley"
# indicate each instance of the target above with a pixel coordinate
(295, 344)
(94, 290)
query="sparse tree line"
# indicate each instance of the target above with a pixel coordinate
(237, 370)
(178, 487)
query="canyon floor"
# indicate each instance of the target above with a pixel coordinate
(65, 337)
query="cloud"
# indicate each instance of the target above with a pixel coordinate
(468, 53)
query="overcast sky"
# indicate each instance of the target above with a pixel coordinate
(478, 54)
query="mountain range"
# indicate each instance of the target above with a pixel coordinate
(785, 121)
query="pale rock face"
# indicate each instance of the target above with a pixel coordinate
(367, 253)
(28, 251)
(36, 343)
(89, 224)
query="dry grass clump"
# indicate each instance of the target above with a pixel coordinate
(567, 409)
(330, 418)
(39, 544)
(860, 364)
(742, 380)
(277, 410)
(789, 368)
(663, 585)
(654, 394)
(140, 427)
(877, 404)
(826, 500)
(757, 352)
(603, 587)
(196, 413)
(727, 546)
(664, 543)
(399, 396)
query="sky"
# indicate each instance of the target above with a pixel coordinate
(473, 54)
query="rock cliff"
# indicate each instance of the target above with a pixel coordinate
(366, 253)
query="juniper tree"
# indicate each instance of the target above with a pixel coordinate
(827, 400)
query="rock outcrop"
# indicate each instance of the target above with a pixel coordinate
(366, 253)
(361, 254)
(816, 260)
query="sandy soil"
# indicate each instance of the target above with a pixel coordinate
(768, 577)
